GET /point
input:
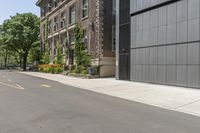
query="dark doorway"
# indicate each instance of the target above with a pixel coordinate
(124, 67)
(71, 57)
(124, 40)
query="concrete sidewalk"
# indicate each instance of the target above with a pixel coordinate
(180, 99)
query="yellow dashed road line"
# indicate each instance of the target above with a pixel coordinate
(46, 86)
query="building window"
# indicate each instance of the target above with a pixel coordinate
(55, 3)
(71, 39)
(62, 22)
(43, 11)
(85, 39)
(55, 24)
(113, 38)
(55, 47)
(113, 25)
(84, 8)
(72, 14)
(50, 5)
(71, 48)
(50, 46)
(62, 43)
(114, 7)
(50, 27)
(44, 27)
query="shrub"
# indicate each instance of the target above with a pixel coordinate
(79, 69)
(51, 68)
(46, 69)
(81, 55)
(58, 70)
(46, 55)
(84, 72)
(73, 71)
(66, 67)
(72, 68)
(94, 70)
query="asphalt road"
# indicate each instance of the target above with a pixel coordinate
(34, 105)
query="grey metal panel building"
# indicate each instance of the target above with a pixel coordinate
(164, 42)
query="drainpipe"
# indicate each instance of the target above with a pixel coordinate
(117, 40)
(99, 35)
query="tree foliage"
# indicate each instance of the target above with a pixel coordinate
(59, 56)
(35, 53)
(4, 49)
(21, 32)
(66, 48)
(46, 54)
(81, 55)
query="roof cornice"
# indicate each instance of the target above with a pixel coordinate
(38, 2)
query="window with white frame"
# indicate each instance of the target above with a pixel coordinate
(44, 30)
(84, 8)
(72, 14)
(63, 43)
(55, 3)
(50, 27)
(55, 23)
(55, 46)
(71, 38)
(43, 11)
(50, 5)
(113, 38)
(63, 19)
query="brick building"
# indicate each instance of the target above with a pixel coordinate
(97, 20)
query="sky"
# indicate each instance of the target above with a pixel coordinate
(11, 7)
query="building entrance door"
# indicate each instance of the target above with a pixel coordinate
(71, 57)
(124, 66)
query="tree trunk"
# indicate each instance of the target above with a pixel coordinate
(5, 61)
(24, 61)
(20, 60)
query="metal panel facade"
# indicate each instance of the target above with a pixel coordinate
(165, 42)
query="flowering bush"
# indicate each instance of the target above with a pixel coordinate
(51, 68)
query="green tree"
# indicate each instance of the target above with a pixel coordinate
(66, 49)
(81, 55)
(35, 53)
(22, 31)
(4, 49)
(46, 55)
(59, 56)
